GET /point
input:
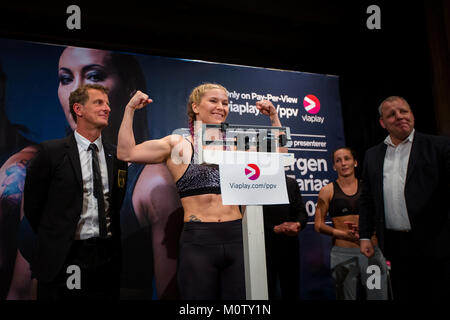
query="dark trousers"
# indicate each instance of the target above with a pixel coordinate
(211, 261)
(90, 272)
(415, 276)
(283, 267)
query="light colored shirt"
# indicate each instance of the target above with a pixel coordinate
(88, 225)
(394, 176)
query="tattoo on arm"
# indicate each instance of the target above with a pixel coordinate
(193, 218)
(14, 182)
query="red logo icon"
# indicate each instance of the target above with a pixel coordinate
(252, 171)
(311, 104)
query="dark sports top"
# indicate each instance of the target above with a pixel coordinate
(342, 204)
(199, 179)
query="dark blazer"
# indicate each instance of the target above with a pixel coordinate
(294, 211)
(53, 199)
(427, 195)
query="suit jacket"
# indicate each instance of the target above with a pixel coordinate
(53, 199)
(427, 195)
(294, 211)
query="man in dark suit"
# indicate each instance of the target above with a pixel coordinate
(282, 224)
(73, 192)
(405, 200)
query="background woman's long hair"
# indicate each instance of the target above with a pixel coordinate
(11, 141)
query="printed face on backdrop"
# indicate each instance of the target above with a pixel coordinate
(397, 118)
(213, 107)
(344, 163)
(78, 66)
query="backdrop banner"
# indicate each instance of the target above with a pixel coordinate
(35, 82)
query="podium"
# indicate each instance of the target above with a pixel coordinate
(224, 144)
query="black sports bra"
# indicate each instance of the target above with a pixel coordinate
(199, 179)
(342, 204)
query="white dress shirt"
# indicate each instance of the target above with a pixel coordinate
(394, 177)
(88, 226)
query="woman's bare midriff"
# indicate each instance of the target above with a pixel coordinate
(204, 207)
(339, 223)
(208, 208)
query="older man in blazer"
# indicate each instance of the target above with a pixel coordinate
(406, 201)
(72, 196)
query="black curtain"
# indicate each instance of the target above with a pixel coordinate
(320, 36)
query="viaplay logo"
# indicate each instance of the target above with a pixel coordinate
(252, 171)
(312, 105)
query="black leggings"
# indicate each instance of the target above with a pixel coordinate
(211, 261)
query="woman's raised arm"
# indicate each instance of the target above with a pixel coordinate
(151, 151)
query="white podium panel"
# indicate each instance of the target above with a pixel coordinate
(254, 254)
(256, 179)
